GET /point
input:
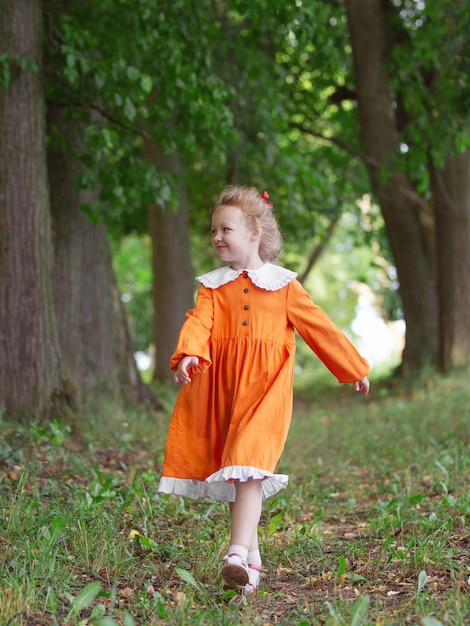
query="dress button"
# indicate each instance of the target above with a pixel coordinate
(245, 322)
(245, 275)
(246, 290)
(246, 307)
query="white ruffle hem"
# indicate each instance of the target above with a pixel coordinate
(220, 486)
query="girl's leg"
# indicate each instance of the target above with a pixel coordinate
(254, 564)
(245, 513)
(253, 547)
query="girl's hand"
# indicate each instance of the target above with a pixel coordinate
(182, 373)
(362, 385)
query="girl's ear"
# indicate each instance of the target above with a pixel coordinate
(255, 233)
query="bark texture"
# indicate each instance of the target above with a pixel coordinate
(30, 371)
(451, 194)
(67, 238)
(172, 272)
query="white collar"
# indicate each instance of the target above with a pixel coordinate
(268, 276)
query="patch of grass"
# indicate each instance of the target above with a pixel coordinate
(373, 528)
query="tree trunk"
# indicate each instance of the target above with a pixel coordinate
(173, 276)
(30, 372)
(67, 222)
(105, 359)
(95, 343)
(451, 195)
(393, 191)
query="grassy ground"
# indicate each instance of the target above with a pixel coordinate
(373, 528)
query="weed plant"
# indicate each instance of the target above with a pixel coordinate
(372, 529)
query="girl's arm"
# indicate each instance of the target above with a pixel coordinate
(194, 338)
(328, 342)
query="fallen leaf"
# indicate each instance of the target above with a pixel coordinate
(180, 597)
(127, 592)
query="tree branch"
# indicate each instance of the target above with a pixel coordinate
(80, 103)
(317, 250)
(406, 190)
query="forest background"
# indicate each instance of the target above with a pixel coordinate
(120, 123)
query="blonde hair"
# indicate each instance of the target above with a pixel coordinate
(258, 211)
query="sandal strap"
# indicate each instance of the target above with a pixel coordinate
(258, 568)
(239, 556)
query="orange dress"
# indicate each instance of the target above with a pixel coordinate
(231, 421)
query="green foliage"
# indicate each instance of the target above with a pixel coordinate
(253, 93)
(244, 92)
(126, 72)
(132, 263)
(7, 60)
(259, 93)
(431, 83)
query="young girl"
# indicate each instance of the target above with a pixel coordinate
(235, 357)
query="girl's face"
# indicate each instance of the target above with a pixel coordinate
(233, 240)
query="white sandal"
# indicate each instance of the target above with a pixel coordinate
(254, 572)
(235, 572)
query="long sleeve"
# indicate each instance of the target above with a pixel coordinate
(194, 337)
(323, 337)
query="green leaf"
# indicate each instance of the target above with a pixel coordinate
(356, 578)
(342, 566)
(422, 580)
(133, 73)
(57, 432)
(333, 613)
(128, 620)
(129, 110)
(359, 610)
(399, 554)
(52, 600)
(274, 524)
(431, 621)
(188, 578)
(70, 60)
(84, 598)
(99, 80)
(57, 528)
(146, 83)
(98, 611)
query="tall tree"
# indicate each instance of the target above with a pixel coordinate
(409, 93)
(451, 194)
(159, 78)
(31, 384)
(172, 273)
(381, 144)
(433, 104)
(94, 339)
